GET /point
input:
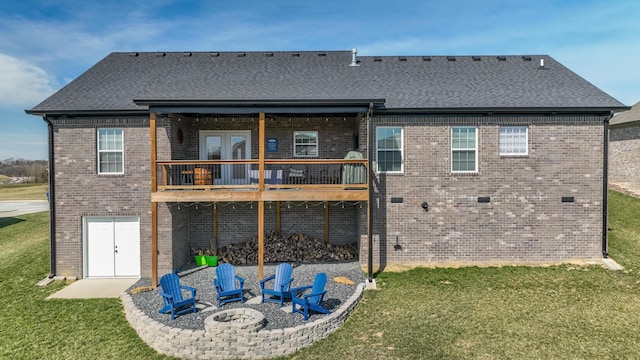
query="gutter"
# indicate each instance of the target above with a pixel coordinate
(605, 187)
(370, 141)
(52, 201)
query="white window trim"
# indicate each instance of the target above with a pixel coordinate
(401, 150)
(526, 138)
(98, 152)
(317, 144)
(475, 149)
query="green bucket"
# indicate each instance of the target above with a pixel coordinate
(200, 260)
(211, 260)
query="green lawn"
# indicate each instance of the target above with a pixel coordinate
(559, 312)
(35, 328)
(24, 192)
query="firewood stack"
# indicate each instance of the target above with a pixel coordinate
(288, 248)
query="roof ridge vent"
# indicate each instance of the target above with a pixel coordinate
(526, 58)
(377, 58)
(161, 54)
(426, 58)
(451, 58)
(268, 54)
(502, 58)
(214, 54)
(354, 59)
(476, 58)
(133, 54)
(402, 58)
(241, 54)
(186, 53)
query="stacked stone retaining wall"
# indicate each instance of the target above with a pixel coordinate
(234, 342)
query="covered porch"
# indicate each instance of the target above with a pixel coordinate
(256, 174)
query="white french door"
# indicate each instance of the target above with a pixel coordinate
(227, 145)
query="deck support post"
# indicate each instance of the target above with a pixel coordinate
(154, 205)
(261, 120)
(326, 222)
(278, 224)
(214, 239)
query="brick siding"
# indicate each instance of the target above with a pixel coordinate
(624, 156)
(525, 222)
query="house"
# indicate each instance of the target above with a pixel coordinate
(624, 151)
(465, 159)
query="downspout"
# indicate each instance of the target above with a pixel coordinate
(605, 189)
(370, 207)
(52, 201)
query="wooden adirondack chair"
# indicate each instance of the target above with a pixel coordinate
(311, 301)
(281, 289)
(228, 285)
(172, 296)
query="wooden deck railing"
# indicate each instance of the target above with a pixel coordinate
(280, 174)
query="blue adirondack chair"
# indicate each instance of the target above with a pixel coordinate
(311, 301)
(228, 284)
(172, 296)
(281, 289)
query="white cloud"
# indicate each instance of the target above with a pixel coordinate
(22, 83)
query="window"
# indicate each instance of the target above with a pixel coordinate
(389, 149)
(110, 151)
(464, 149)
(305, 144)
(514, 140)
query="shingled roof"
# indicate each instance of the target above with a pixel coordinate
(629, 116)
(404, 82)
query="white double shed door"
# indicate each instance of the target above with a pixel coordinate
(111, 246)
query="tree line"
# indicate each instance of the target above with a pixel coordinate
(32, 171)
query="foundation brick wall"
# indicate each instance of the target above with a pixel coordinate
(525, 222)
(624, 156)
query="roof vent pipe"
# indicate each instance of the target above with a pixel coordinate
(541, 63)
(354, 61)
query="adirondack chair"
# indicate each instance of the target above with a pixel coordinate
(171, 292)
(228, 285)
(311, 301)
(281, 288)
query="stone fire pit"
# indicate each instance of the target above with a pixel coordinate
(234, 319)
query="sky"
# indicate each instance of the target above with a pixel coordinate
(46, 44)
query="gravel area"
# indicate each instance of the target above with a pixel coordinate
(275, 318)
